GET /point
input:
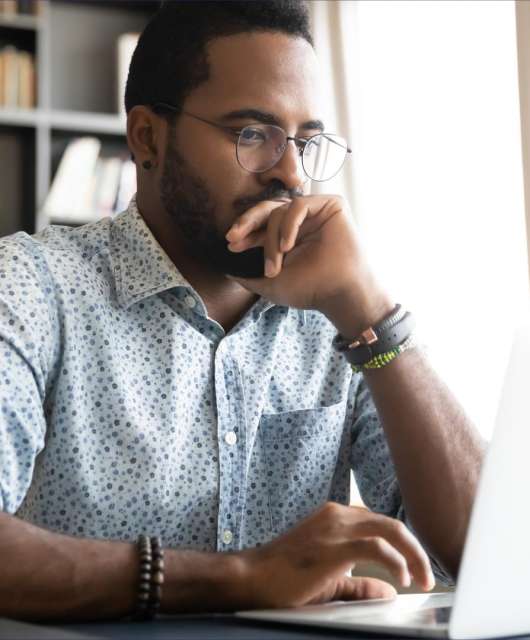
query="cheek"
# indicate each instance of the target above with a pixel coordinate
(216, 164)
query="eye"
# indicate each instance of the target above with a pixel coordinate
(312, 146)
(252, 135)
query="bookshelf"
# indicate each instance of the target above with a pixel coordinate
(74, 47)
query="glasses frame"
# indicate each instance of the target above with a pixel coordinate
(300, 143)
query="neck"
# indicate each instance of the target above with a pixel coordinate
(226, 300)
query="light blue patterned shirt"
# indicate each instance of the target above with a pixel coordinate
(125, 409)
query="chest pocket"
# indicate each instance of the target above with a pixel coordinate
(300, 450)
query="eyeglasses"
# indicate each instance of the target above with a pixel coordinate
(260, 146)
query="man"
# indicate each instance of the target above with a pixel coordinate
(155, 382)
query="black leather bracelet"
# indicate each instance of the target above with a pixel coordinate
(387, 334)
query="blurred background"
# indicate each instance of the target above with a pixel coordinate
(432, 96)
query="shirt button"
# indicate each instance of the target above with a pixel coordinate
(230, 437)
(227, 536)
(190, 301)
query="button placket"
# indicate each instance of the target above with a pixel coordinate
(230, 419)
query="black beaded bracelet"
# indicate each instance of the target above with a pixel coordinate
(151, 578)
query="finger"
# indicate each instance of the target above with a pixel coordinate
(254, 239)
(404, 540)
(378, 550)
(253, 219)
(291, 223)
(261, 286)
(401, 538)
(361, 588)
(271, 247)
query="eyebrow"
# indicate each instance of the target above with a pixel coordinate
(269, 118)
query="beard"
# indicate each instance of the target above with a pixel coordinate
(188, 202)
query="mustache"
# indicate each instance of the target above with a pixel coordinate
(273, 191)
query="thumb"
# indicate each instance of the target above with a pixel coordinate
(255, 285)
(359, 588)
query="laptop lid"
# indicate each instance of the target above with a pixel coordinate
(491, 599)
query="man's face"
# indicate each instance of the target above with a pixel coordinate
(202, 187)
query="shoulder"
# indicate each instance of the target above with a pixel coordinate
(55, 252)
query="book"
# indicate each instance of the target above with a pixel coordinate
(8, 7)
(125, 46)
(2, 78)
(20, 7)
(10, 77)
(67, 198)
(26, 80)
(127, 186)
(25, 7)
(88, 186)
(108, 186)
(17, 78)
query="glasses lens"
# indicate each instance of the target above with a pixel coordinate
(323, 156)
(260, 147)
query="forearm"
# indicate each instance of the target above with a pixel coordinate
(48, 576)
(436, 451)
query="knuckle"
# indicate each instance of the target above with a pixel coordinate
(360, 511)
(331, 509)
(372, 520)
(378, 545)
(330, 516)
(399, 528)
(338, 199)
(389, 525)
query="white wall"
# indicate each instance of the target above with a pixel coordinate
(437, 176)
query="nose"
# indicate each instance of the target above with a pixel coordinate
(287, 170)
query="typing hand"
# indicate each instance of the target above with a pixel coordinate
(307, 564)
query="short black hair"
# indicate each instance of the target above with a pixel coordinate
(170, 58)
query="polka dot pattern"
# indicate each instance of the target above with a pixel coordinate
(125, 409)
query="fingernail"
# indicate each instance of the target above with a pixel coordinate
(406, 582)
(283, 244)
(269, 268)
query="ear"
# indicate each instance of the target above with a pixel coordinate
(145, 135)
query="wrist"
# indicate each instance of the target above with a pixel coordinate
(353, 311)
(198, 581)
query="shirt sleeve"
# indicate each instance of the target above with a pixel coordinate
(374, 470)
(26, 350)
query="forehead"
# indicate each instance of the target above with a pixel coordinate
(272, 71)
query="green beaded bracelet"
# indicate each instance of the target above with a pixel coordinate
(382, 359)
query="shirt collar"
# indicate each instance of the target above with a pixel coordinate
(142, 268)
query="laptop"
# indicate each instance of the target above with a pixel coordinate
(492, 595)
